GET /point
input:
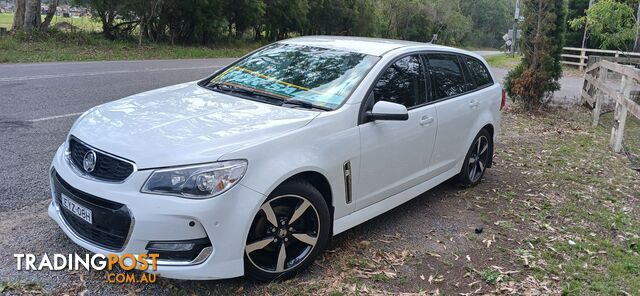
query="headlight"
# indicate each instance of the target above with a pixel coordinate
(198, 181)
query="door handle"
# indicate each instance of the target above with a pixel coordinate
(426, 120)
(473, 104)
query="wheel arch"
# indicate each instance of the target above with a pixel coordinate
(320, 182)
(489, 127)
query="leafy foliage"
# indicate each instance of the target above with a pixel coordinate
(490, 19)
(285, 16)
(456, 22)
(536, 77)
(612, 23)
(576, 9)
(350, 17)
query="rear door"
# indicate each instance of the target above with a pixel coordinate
(395, 154)
(456, 106)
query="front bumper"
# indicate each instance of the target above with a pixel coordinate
(224, 219)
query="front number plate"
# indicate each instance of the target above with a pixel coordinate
(77, 209)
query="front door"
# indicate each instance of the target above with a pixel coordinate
(395, 154)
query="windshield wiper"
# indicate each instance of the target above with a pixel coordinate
(265, 98)
(227, 88)
(303, 104)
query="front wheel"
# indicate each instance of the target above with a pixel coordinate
(477, 159)
(287, 233)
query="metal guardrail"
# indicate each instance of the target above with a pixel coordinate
(580, 56)
(596, 88)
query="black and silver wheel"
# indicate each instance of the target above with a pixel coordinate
(287, 233)
(477, 159)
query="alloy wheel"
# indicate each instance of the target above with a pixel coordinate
(478, 158)
(283, 234)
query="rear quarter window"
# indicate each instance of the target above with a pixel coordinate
(446, 74)
(479, 73)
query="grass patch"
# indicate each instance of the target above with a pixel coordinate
(84, 46)
(82, 23)
(593, 228)
(6, 19)
(504, 61)
(380, 277)
(491, 276)
(631, 140)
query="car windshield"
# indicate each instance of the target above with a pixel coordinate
(311, 76)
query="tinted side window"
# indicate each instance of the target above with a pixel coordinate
(479, 72)
(446, 74)
(403, 83)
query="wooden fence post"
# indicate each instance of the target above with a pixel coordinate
(620, 115)
(599, 96)
(583, 59)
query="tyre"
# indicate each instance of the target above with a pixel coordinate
(287, 233)
(477, 159)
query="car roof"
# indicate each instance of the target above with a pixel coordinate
(364, 45)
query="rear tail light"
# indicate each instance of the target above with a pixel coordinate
(504, 100)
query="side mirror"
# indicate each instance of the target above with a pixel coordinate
(383, 110)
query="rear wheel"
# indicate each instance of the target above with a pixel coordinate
(288, 232)
(477, 159)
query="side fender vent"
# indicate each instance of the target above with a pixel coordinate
(346, 169)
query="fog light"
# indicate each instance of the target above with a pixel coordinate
(170, 247)
(186, 251)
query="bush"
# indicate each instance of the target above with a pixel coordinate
(536, 78)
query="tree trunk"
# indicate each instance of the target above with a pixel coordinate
(107, 24)
(18, 16)
(53, 5)
(32, 15)
(257, 30)
(636, 46)
(141, 27)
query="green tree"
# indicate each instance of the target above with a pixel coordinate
(342, 17)
(194, 21)
(611, 23)
(145, 14)
(536, 78)
(243, 14)
(419, 20)
(576, 9)
(285, 16)
(491, 20)
(206, 21)
(107, 11)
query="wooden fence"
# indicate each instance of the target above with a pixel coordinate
(597, 87)
(580, 56)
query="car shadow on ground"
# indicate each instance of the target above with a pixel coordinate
(431, 213)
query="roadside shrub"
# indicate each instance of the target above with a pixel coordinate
(536, 78)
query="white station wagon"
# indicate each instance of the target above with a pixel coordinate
(252, 170)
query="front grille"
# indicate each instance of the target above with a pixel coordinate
(107, 168)
(111, 220)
